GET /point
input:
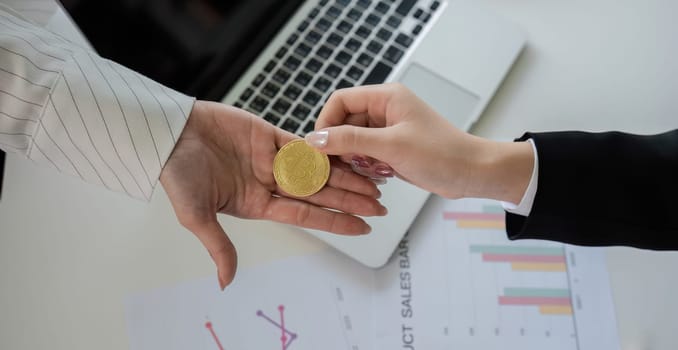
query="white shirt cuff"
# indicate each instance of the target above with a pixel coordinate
(525, 206)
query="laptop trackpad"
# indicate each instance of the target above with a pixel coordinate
(447, 98)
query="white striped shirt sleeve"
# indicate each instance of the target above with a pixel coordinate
(63, 106)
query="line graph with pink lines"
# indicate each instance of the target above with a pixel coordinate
(286, 336)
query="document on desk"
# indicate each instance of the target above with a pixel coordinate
(301, 303)
(457, 282)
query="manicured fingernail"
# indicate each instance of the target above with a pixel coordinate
(317, 138)
(383, 171)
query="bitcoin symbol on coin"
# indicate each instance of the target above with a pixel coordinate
(300, 170)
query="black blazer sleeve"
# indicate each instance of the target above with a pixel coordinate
(604, 189)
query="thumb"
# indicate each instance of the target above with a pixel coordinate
(349, 139)
(221, 249)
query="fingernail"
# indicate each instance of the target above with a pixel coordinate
(317, 138)
(384, 210)
(384, 171)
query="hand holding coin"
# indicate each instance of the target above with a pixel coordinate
(300, 170)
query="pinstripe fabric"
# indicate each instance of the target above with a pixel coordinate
(65, 107)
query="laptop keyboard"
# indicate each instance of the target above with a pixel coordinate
(341, 43)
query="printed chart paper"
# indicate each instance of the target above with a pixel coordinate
(457, 282)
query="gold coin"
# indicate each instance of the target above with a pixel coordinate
(300, 169)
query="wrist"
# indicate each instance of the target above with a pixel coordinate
(502, 171)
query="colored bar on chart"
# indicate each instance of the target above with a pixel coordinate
(523, 258)
(489, 208)
(555, 310)
(517, 250)
(479, 224)
(454, 215)
(490, 218)
(547, 267)
(538, 301)
(537, 292)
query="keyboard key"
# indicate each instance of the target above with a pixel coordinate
(417, 29)
(301, 111)
(343, 83)
(313, 37)
(435, 5)
(302, 50)
(343, 57)
(290, 125)
(353, 45)
(354, 15)
(343, 3)
(259, 104)
(322, 84)
(309, 126)
(292, 63)
(323, 2)
(292, 92)
(303, 26)
(363, 32)
(292, 39)
(426, 17)
(281, 52)
(324, 52)
(237, 104)
(323, 25)
(281, 106)
(384, 34)
(281, 76)
(365, 59)
(258, 80)
(405, 7)
(314, 65)
(374, 47)
(269, 66)
(246, 94)
(378, 75)
(333, 12)
(270, 89)
(393, 21)
(333, 70)
(334, 39)
(272, 118)
(373, 20)
(314, 13)
(403, 40)
(393, 54)
(303, 78)
(355, 73)
(364, 3)
(311, 98)
(344, 27)
(418, 13)
(382, 7)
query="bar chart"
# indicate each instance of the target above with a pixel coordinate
(478, 289)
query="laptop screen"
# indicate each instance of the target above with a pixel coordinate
(198, 47)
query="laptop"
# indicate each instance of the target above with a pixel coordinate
(281, 60)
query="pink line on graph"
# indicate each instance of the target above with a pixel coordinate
(285, 332)
(503, 300)
(283, 338)
(524, 258)
(452, 215)
(208, 325)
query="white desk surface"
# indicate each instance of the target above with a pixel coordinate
(70, 253)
